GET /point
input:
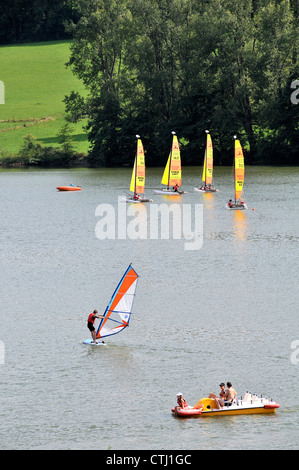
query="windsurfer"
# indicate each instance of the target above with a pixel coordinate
(90, 324)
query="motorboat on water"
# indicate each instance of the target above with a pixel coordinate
(250, 404)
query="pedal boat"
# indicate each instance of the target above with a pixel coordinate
(68, 188)
(250, 404)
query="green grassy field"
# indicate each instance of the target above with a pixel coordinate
(36, 81)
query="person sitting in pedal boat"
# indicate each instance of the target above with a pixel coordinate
(181, 401)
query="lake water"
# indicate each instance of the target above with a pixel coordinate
(225, 312)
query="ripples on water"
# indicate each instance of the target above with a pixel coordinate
(228, 311)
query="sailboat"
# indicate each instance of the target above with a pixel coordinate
(138, 176)
(118, 312)
(239, 178)
(207, 174)
(172, 176)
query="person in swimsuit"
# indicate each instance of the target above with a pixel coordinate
(221, 393)
(228, 397)
(90, 324)
(230, 393)
(181, 401)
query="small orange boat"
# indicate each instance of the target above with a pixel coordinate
(69, 188)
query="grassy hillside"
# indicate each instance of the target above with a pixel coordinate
(36, 82)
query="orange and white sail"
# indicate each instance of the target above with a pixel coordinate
(138, 174)
(173, 172)
(239, 170)
(207, 174)
(118, 312)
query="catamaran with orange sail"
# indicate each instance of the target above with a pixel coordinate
(118, 312)
(207, 174)
(138, 176)
(172, 176)
(239, 179)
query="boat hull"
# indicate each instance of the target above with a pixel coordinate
(241, 411)
(136, 201)
(91, 343)
(68, 188)
(139, 202)
(206, 191)
(165, 192)
(239, 207)
(186, 412)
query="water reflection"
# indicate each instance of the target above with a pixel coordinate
(240, 225)
(209, 199)
(187, 309)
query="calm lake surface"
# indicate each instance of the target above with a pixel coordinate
(225, 312)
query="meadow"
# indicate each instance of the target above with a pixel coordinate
(36, 81)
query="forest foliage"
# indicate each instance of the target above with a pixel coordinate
(154, 66)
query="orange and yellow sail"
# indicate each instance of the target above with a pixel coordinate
(239, 170)
(207, 174)
(173, 172)
(118, 312)
(138, 174)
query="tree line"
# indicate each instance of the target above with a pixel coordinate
(35, 20)
(154, 66)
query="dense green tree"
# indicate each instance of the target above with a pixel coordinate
(96, 58)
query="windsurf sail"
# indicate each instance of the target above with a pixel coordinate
(118, 312)
(173, 172)
(207, 174)
(138, 174)
(239, 170)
